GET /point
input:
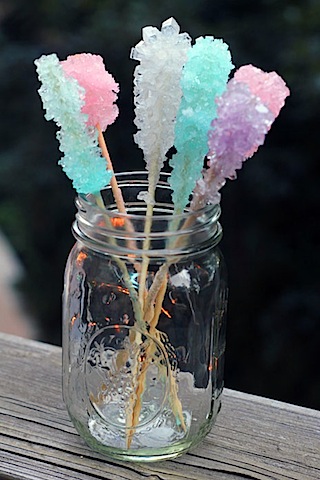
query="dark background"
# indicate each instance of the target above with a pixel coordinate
(270, 214)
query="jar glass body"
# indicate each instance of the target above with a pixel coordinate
(143, 324)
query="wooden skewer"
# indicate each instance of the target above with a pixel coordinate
(114, 184)
(116, 190)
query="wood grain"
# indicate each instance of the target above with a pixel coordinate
(254, 438)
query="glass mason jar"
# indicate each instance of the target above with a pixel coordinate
(144, 324)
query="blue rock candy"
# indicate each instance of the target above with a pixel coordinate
(204, 77)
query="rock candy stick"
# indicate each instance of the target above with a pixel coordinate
(204, 76)
(157, 96)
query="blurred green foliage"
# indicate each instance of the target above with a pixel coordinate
(270, 214)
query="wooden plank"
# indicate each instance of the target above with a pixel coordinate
(254, 438)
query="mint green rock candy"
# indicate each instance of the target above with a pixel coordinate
(204, 77)
(63, 99)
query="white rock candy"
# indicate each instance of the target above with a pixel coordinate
(157, 91)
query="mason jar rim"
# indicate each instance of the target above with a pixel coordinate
(127, 176)
(160, 234)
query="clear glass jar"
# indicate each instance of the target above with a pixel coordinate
(144, 324)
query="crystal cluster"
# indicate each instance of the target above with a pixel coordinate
(157, 90)
(246, 111)
(204, 76)
(99, 86)
(63, 99)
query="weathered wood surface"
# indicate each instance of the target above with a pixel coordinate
(254, 438)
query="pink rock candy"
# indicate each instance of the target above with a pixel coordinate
(100, 87)
(269, 87)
